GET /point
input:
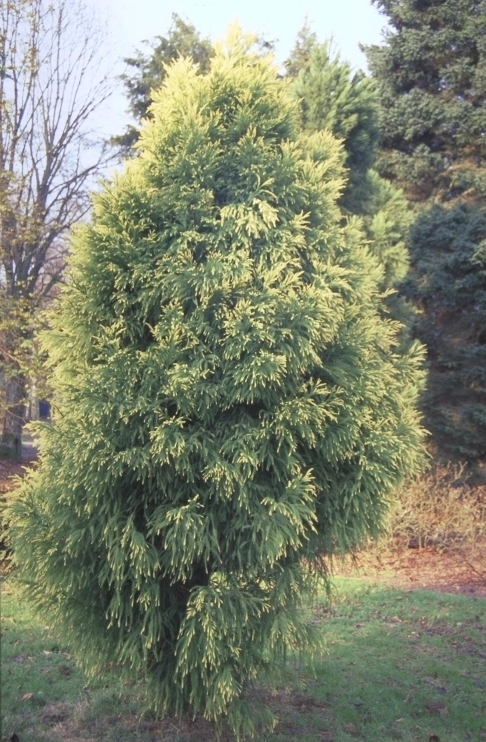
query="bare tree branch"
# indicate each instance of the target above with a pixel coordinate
(50, 89)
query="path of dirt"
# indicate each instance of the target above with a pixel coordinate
(416, 569)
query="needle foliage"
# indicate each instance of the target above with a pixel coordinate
(231, 403)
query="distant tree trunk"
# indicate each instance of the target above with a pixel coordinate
(14, 416)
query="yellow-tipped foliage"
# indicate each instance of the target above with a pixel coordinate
(230, 403)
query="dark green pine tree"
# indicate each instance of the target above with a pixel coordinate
(448, 283)
(230, 404)
(431, 74)
(431, 77)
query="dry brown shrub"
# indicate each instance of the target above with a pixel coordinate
(441, 509)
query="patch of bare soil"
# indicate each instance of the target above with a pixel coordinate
(428, 568)
(11, 469)
(74, 722)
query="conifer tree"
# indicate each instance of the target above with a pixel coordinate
(230, 403)
(432, 82)
(430, 75)
(148, 71)
(448, 282)
(334, 98)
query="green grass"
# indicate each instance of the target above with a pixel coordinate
(399, 666)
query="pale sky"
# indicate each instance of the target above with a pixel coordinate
(348, 22)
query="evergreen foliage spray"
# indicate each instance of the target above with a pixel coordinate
(230, 402)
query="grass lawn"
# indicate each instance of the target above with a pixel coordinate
(399, 666)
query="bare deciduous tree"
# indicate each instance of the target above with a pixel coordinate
(51, 85)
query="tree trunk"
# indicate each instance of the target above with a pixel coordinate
(14, 418)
